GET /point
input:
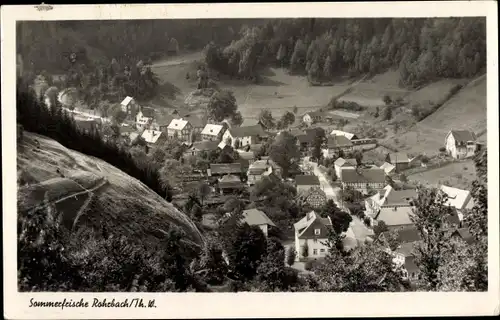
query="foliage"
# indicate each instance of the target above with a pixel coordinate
(211, 263)
(380, 227)
(340, 219)
(286, 120)
(319, 141)
(222, 105)
(285, 152)
(305, 250)
(272, 272)
(351, 195)
(267, 119)
(246, 250)
(290, 256)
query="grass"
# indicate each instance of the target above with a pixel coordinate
(456, 174)
(124, 205)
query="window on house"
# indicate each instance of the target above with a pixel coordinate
(315, 240)
(315, 252)
(317, 232)
(321, 250)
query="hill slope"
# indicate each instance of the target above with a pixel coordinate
(465, 110)
(90, 192)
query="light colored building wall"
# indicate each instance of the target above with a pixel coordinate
(317, 248)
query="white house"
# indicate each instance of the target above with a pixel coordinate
(389, 197)
(130, 107)
(311, 232)
(461, 144)
(261, 167)
(144, 118)
(180, 129)
(153, 137)
(312, 117)
(458, 199)
(212, 132)
(336, 144)
(244, 136)
(348, 135)
(388, 168)
(342, 163)
(255, 217)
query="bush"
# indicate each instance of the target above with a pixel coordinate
(308, 265)
(442, 149)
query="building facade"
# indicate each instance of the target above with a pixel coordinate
(461, 144)
(311, 236)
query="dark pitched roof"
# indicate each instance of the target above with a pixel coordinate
(398, 157)
(225, 168)
(463, 136)
(164, 120)
(230, 181)
(250, 131)
(338, 142)
(400, 196)
(205, 145)
(148, 112)
(195, 121)
(465, 234)
(256, 217)
(373, 175)
(307, 180)
(406, 235)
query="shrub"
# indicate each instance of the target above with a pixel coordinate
(442, 149)
(308, 265)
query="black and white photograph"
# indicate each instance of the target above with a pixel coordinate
(252, 155)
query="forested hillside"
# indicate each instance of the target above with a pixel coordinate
(422, 49)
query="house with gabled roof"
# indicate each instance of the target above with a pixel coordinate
(247, 122)
(314, 197)
(312, 232)
(260, 168)
(336, 144)
(461, 144)
(221, 169)
(389, 197)
(342, 163)
(348, 135)
(201, 146)
(153, 137)
(212, 132)
(161, 122)
(144, 118)
(130, 107)
(256, 217)
(362, 179)
(459, 199)
(312, 117)
(230, 183)
(304, 183)
(244, 136)
(396, 217)
(179, 129)
(399, 159)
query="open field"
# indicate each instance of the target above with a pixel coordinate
(456, 174)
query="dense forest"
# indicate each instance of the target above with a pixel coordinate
(422, 49)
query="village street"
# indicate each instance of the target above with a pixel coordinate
(357, 232)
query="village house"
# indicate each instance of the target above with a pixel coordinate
(255, 217)
(388, 168)
(403, 256)
(364, 144)
(230, 183)
(212, 132)
(304, 183)
(459, 199)
(461, 144)
(315, 197)
(363, 179)
(261, 167)
(336, 144)
(160, 123)
(342, 163)
(179, 129)
(197, 123)
(400, 160)
(395, 217)
(130, 107)
(244, 136)
(348, 135)
(389, 198)
(144, 118)
(153, 137)
(311, 236)
(201, 146)
(312, 117)
(253, 122)
(221, 169)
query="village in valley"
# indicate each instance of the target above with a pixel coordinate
(341, 174)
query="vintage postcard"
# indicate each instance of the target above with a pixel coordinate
(250, 160)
